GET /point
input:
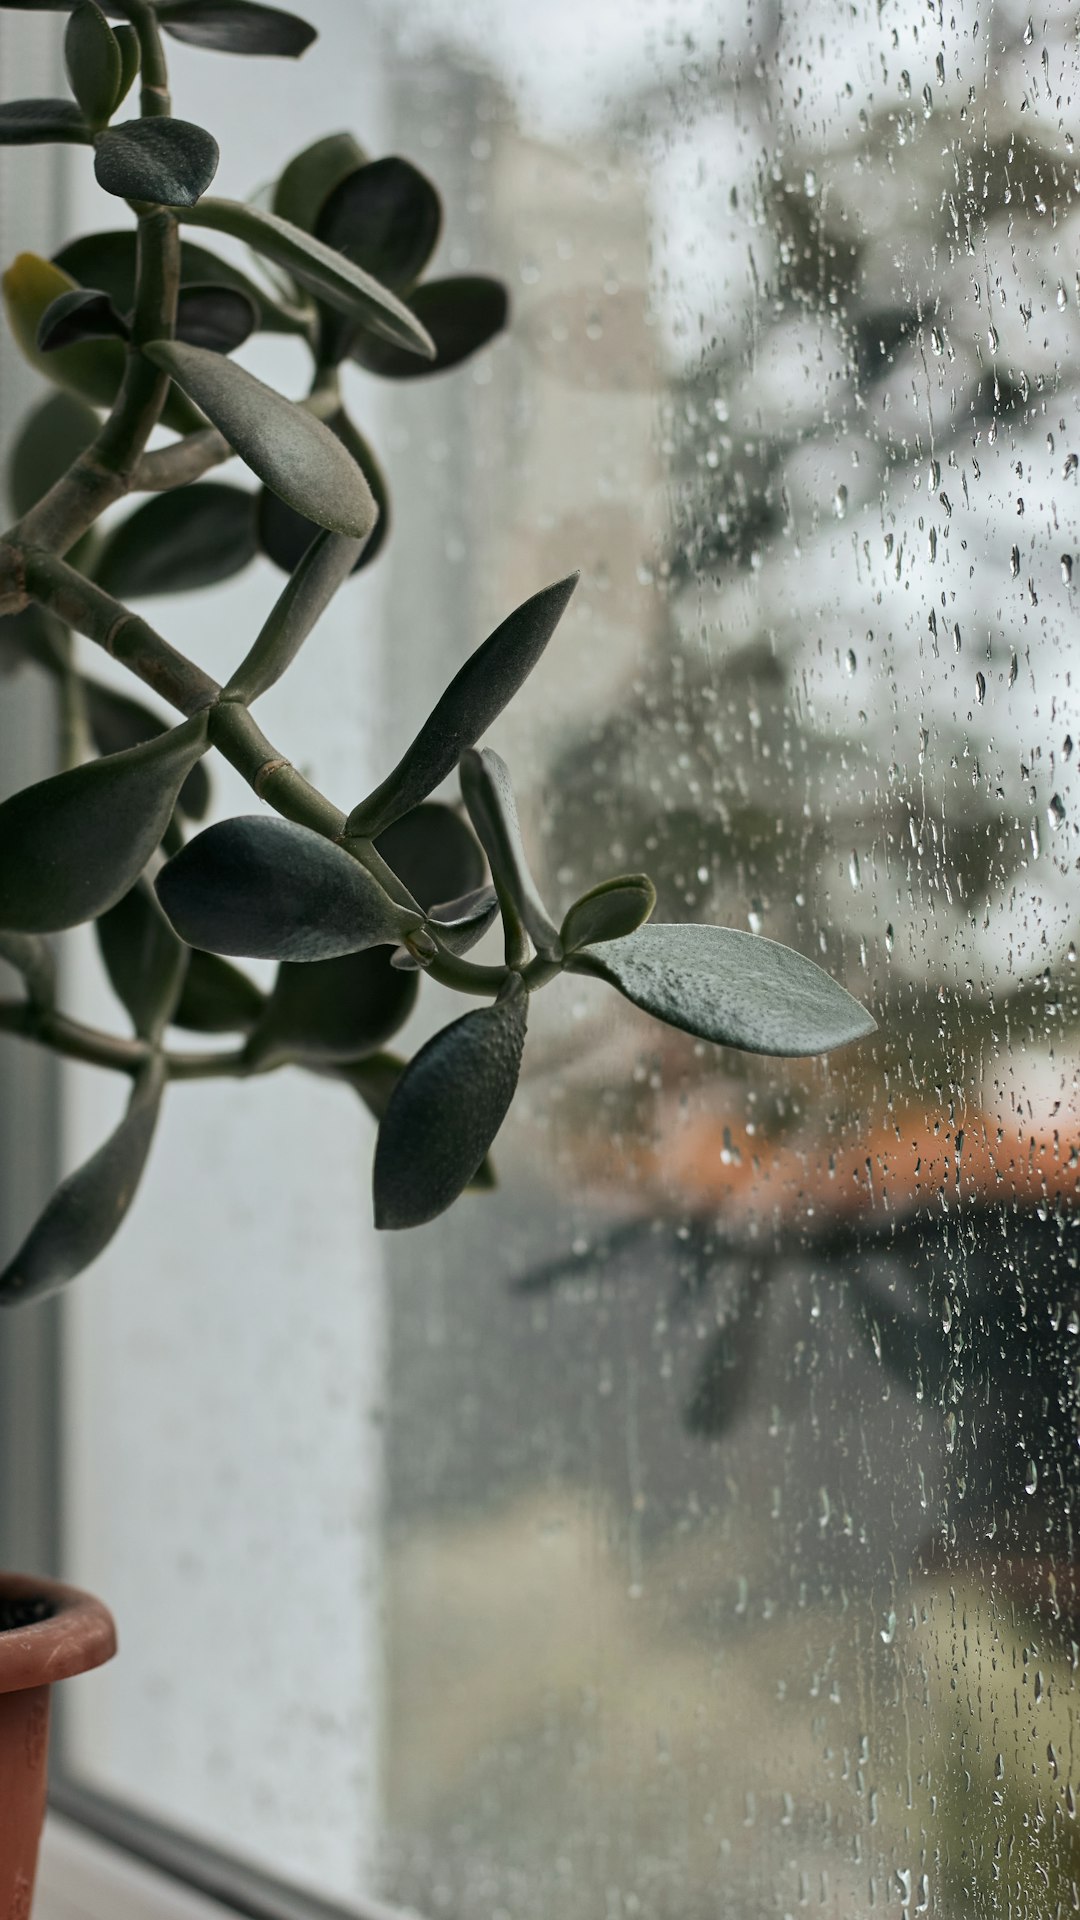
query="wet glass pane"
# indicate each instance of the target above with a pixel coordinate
(695, 1509)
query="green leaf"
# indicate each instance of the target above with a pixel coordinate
(475, 697)
(86, 1211)
(71, 845)
(107, 260)
(609, 911)
(734, 988)
(460, 315)
(143, 958)
(91, 368)
(489, 796)
(386, 216)
(83, 314)
(236, 26)
(272, 890)
(219, 318)
(31, 956)
(332, 1010)
(216, 997)
(445, 1111)
(434, 853)
(459, 924)
(93, 61)
(312, 176)
(285, 535)
(130, 60)
(50, 441)
(318, 575)
(194, 537)
(25, 122)
(292, 452)
(168, 162)
(116, 722)
(317, 266)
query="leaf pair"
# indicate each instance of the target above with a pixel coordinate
(386, 216)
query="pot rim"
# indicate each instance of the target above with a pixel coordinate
(79, 1634)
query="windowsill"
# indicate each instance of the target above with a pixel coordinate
(84, 1878)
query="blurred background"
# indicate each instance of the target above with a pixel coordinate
(686, 1528)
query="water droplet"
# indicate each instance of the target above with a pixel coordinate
(1014, 563)
(853, 870)
(1066, 568)
(935, 476)
(1062, 297)
(1071, 463)
(992, 336)
(980, 687)
(1029, 34)
(840, 502)
(888, 1631)
(1014, 668)
(937, 341)
(1055, 812)
(1031, 1477)
(852, 662)
(890, 938)
(810, 183)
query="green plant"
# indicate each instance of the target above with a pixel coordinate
(353, 906)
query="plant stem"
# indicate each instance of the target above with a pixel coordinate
(124, 635)
(211, 1066)
(104, 473)
(154, 97)
(72, 1038)
(186, 460)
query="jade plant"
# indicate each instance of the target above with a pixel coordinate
(135, 328)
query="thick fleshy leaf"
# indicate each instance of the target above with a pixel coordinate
(169, 162)
(116, 722)
(609, 911)
(194, 537)
(31, 956)
(236, 26)
(314, 265)
(91, 368)
(93, 61)
(143, 958)
(25, 122)
(317, 577)
(216, 997)
(460, 314)
(285, 535)
(83, 314)
(292, 452)
(446, 1110)
(86, 1211)
(489, 796)
(220, 318)
(434, 853)
(386, 216)
(130, 60)
(107, 260)
(51, 439)
(333, 1010)
(71, 845)
(312, 176)
(375, 1078)
(272, 890)
(475, 697)
(734, 988)
(459, 924)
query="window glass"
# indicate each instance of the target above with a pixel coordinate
(684, 1527)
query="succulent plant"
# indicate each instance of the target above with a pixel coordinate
(354, 905)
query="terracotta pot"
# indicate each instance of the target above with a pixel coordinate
(78, 1633)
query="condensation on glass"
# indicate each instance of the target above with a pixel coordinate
(685, 1529)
